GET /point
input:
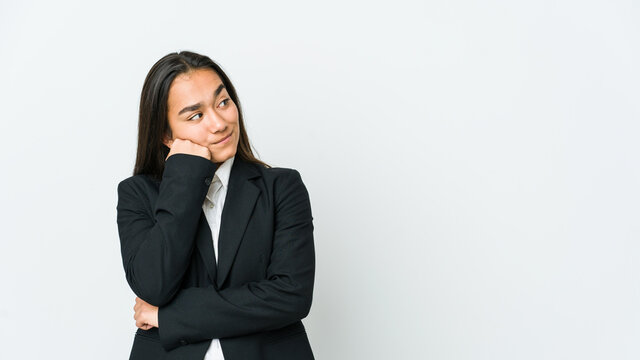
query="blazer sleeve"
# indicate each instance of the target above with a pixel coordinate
(156, 243)
(284, 297)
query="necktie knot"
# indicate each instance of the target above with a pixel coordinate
(216, 184)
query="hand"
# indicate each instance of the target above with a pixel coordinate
(183, 146)
(146, 315)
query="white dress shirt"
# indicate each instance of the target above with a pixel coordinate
(212, 207)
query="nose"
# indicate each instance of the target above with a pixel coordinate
(215, 123)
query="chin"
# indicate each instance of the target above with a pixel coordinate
(224, 156)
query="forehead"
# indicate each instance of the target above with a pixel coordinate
(192, 87)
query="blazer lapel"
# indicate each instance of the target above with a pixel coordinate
(204, 243)
(238, 206)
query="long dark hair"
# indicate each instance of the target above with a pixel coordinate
(153, 123)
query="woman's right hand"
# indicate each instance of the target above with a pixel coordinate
(183, 146)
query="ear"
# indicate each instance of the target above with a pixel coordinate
(167, 140)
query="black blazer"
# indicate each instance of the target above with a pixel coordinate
(254, 300)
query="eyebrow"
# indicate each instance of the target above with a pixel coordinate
(197, 106)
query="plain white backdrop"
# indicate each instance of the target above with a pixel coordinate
(473, 167)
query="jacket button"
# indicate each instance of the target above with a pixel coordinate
(183, 342)
(207, 181)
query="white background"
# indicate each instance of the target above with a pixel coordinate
(472, 166)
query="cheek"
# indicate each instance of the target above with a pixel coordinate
(237, 136)
(233, 117)
(196, 134)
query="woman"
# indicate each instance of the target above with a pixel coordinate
(217, 245)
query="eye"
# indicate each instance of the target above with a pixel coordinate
(194, 116)
(225, 101)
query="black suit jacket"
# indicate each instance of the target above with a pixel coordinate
(254, 300)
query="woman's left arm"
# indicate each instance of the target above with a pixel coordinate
(284, 297)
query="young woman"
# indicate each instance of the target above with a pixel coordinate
(217, 245)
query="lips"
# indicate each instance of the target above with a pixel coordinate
(228, 136)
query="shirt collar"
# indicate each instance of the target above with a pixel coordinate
(224, 171)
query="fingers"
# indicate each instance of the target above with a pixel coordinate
(141, 314)
(138, 304)
(143, 326)
(140, 320)
(185, 146)
(137, 313)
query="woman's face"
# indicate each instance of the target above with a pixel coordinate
(201, 110)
